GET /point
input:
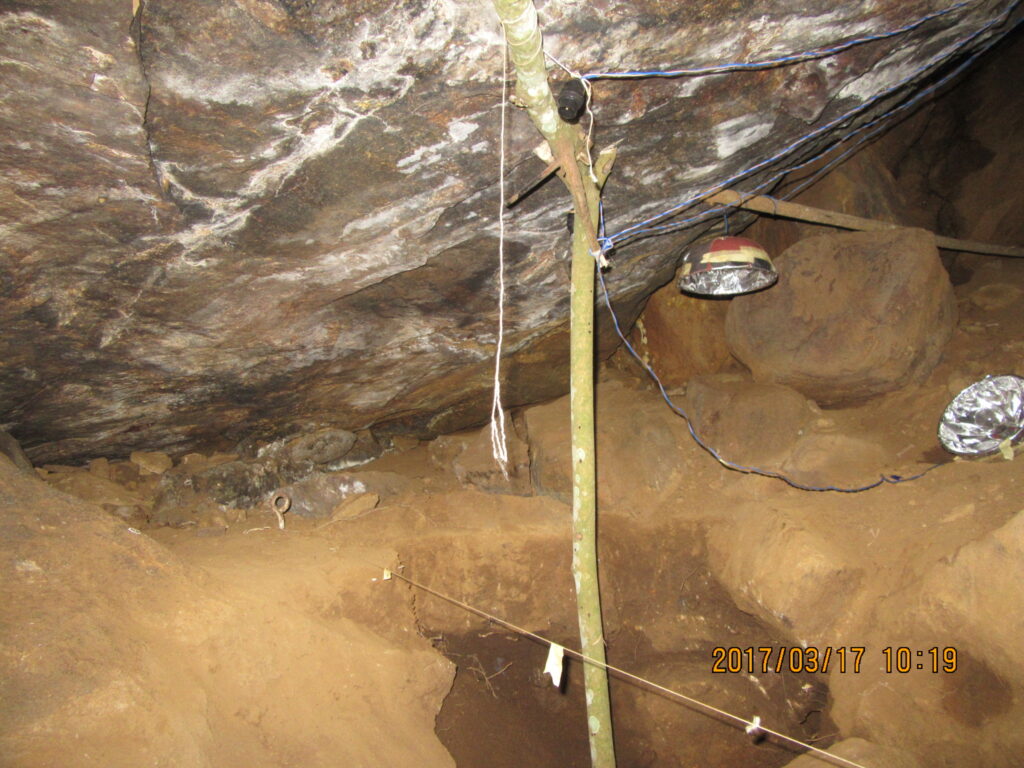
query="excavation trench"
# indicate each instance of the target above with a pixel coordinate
(669, 622)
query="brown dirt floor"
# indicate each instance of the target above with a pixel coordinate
(234, 643)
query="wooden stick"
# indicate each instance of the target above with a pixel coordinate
(811, 215)
(522, 32)
(539, 179)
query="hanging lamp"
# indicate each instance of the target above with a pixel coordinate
(726, 266)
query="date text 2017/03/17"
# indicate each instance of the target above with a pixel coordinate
(843, 659)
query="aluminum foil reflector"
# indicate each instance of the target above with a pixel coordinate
(726, 266)
(984, 416)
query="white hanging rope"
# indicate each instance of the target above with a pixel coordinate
(499, 441)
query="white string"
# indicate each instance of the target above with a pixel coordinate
(752, 727)
(499, 442)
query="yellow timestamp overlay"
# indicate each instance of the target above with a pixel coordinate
(842, 659)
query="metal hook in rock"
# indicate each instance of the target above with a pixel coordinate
(279, 504)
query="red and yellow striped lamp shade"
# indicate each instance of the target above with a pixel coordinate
(726, 266)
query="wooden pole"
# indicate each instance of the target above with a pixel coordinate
(584, 496)
(812, 215)
(567, 143)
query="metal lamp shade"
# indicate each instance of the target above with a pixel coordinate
(726, 266)
(984, 416)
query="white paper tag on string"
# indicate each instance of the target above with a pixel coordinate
(387, 574)
(555, 666)
(754, 726)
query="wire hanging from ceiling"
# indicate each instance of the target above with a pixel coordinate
(651, 226)
(873, 128)
(792, 58)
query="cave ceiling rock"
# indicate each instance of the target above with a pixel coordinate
(223, 219)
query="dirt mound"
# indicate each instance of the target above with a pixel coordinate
(116, 653)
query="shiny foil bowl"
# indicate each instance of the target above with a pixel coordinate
(726, 266)
(984, 416)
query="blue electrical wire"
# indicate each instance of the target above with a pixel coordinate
(882, 480)
(879, 121)
(816, 53)
(649, 227)
(891, 479)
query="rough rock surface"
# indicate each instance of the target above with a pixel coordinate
(470, 456)
(746, 422)
(682, 336)
(808, 596)
(644, 452)
(853, 315)
(969, 187)
(864, 185)
(10, 448)
(255, 217)
(977, 600)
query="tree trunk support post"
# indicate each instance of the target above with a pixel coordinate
(568, 146)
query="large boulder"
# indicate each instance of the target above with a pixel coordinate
(234, 221)
(853, 315)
